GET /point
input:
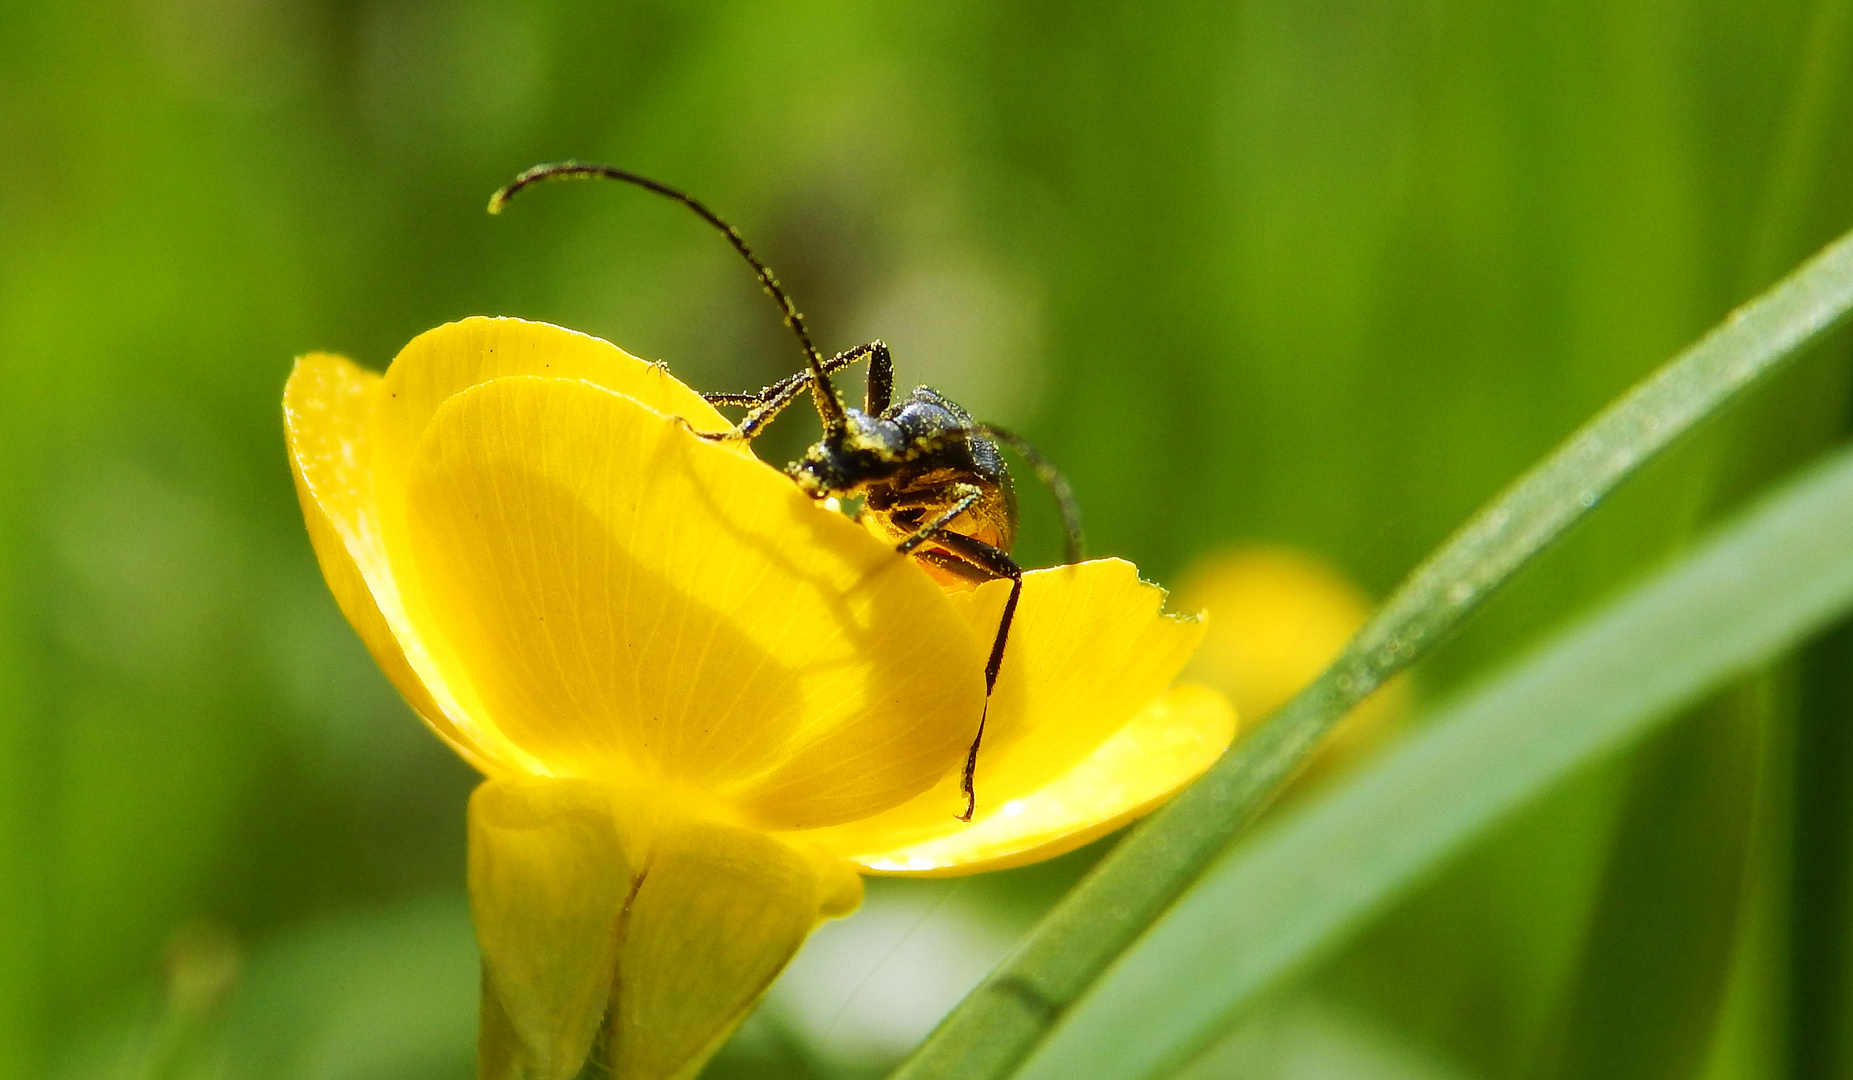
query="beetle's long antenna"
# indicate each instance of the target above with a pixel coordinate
(578, 170)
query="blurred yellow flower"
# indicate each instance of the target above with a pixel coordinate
(1277, 617)
(702, 703)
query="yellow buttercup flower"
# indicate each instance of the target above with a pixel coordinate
(702, 703)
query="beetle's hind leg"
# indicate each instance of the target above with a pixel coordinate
(975, 560)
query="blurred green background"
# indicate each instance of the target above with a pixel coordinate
(1321, 273)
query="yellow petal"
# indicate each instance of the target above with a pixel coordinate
(351, 437)
(720, 912)
(633, 600)
(431, 368)
(326, 406)
(1090, 648)
(456, 356)
(1166, 746)
(549, 879)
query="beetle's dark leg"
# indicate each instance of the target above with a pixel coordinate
(741, 399)
(765, 405)
(879, 393)
(996, 564)
(991, 668)
(793, 382)
(937, 527)
(764, 412)
(952, 564)
(972, 558)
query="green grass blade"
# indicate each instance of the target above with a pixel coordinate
(1819, 894)
(1643, 996)
(1312, 1037)
(1294, 891)
(1002, 1021)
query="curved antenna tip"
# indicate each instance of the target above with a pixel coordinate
(565, 170)
(581, 170)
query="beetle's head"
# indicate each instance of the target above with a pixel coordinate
(866, 450)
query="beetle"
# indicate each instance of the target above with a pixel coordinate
(931, 480)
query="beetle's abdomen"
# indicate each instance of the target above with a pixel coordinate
(895, 511)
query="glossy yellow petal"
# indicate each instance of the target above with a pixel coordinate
(633, 600)
(720, 912)
(549, 881)
(456, 356)
(431, 368)
(1166, 746)
(1277, 618)
(326, 408)
(1091, 647)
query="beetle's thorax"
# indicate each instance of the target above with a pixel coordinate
(909, 464)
